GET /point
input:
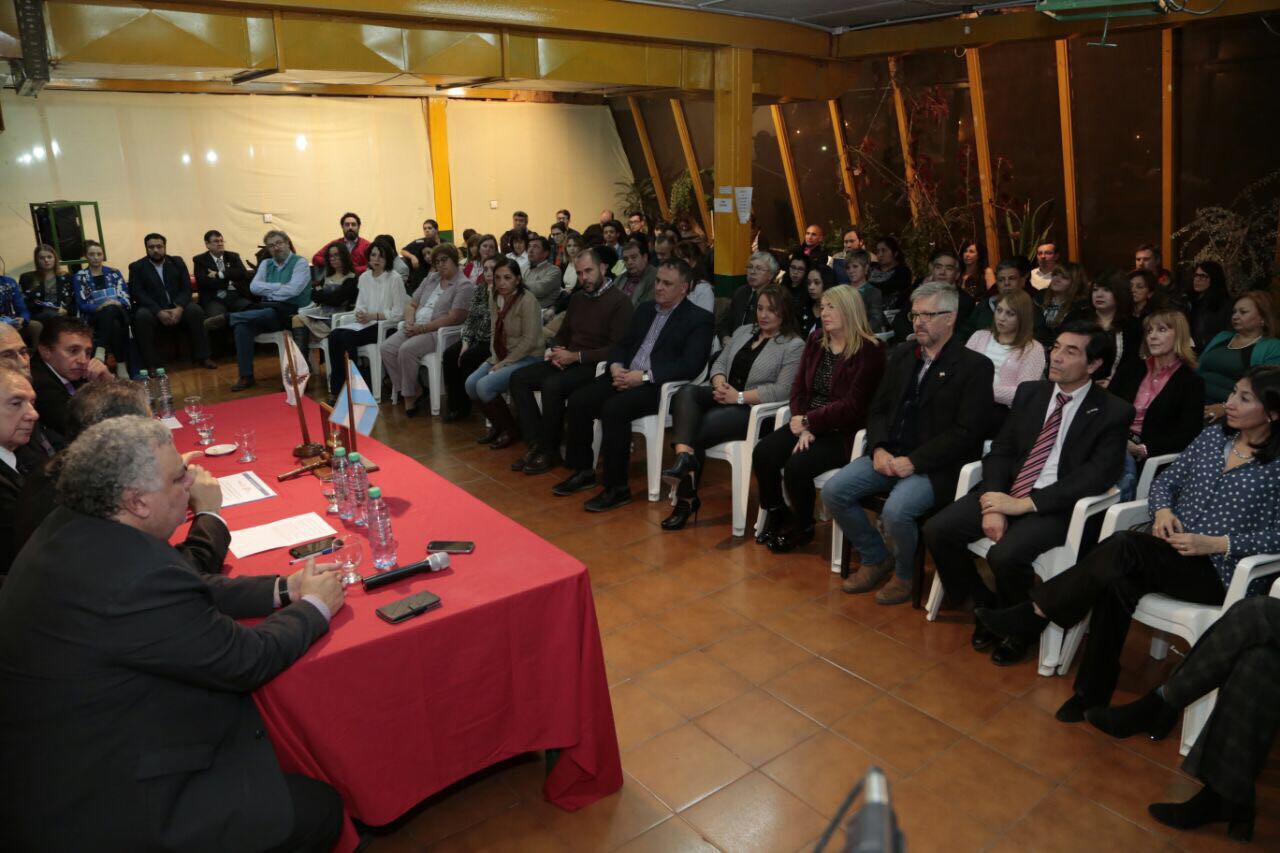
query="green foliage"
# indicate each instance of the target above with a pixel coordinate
(1022, 228)
(682, 200)
(1241, 236)
(637, 195)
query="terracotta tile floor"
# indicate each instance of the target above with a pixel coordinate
(749, 695)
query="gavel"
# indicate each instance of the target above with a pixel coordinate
(311, 466)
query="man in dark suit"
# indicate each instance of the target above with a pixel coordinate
(14, 353)
(125, 716)
(161, 290)
(222, 280)
(66, 363)
(669, 339)
(925, 422)
(1064, 440)
(17, 421)
(762, 269)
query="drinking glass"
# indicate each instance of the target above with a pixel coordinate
(335, 435)
(246, 439)
(330, 492)
(204, 428)
(193, 406)
(348, 558)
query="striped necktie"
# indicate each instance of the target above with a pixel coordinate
(1040, 451)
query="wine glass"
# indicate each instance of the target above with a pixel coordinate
(348, 558)
(330, 491)
(204, 428)
(193, 406)
(246, 439)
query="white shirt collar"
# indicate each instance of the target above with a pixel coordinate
(9, 458)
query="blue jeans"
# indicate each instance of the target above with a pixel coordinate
(245, 326)
(908, 500)
(486, 384)
(1128, 485)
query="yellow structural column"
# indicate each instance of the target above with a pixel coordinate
(1071, 208)
(733, 150)
(438, 138)
(1168, 141)
(789, 171)
(691, 162)
(846, 169)
(986, 185)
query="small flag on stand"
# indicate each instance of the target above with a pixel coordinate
(292, 359)
(363, 406)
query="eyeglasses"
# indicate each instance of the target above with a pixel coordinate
(1201, 275)
(926, 315)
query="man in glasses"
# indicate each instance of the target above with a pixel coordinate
(283, 283)
(762, 269)
(926, 420)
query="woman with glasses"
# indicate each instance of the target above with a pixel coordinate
(1209, 303)
(335, 293)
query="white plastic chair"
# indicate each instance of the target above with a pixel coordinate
(370, 352)
(446, 336)
(1150, 470)
(652, 427)
(1172, 616)
(1050, 564)
(738, 455)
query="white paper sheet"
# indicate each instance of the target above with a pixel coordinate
(243, 488)
(279, 534)
(171, 422)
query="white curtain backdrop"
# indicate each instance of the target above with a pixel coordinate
(532, 157)
(182, 164)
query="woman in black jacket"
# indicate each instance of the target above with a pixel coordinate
(1209, 303)
(1166, 392)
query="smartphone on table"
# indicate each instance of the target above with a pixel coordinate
(450, 546)
(306, 549)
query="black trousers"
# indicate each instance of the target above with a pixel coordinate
(146, 325)
(457, 366)
(317, 816)
(347, 342)
(700, 422)
(1123, 568)
(543, 427)
(949, 533)
(231, 304)
(1239, 657)
(111, 330)
(616, 410)
(774, 463)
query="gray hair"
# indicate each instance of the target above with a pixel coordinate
(948, 296)
(109, 459)
(276, 232)
(103, 400)
(768, 258)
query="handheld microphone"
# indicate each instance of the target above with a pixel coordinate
(437, 562)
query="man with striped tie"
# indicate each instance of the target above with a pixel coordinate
(1064, 440)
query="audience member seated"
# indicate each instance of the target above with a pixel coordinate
(1015, 355)
(857, 267)
(66, 362)
(486, 248)
(795, 281)
(702, 294)
(559, 235)
(1111, 310)
(1144, 293)
(925, 421)
(1208, 303)
(944, 268)
(47, 289)
(976, 277)
(596, 322)
(18, 418)
(102, 297)
(669, 340)
(542, 278)
(15, 353)
(758, 366)
(282, 284)
(519, 225)
(1218, 503)
(1010, 278)
(357, 246)
(612, 233)
(519, 252)
(637, 224)
(417, 253)
(222, 281)
(573, 246)
(1252, 343)
(160, 289)
(1064, 440)
(441, 300)
(333, 294)
(13, 308)
(818, 280)
(839, 370)
(594, 232)
(159, 714)
(1065, 300)
(471, 349)
(1166, 392)
(890, 273)
(852, 241)
(762, 269)
(1147, 257)
(1239, 656)
(515, 336)
(1046, 259)
(380, 296)
(565, 219)
(637, 282)
(812, 249)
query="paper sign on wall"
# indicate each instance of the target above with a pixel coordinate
(726, 191)
(723, 205)
(742, 196)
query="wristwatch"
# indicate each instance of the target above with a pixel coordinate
(647, 377)
(282, 587)
(742, 398)
(804, 421)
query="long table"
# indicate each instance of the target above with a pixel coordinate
(390, 714)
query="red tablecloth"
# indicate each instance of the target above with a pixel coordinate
(389, 714)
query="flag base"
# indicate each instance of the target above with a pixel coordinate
(307, 450)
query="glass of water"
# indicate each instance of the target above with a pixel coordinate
(204, 428)
(246, 439)
(193, 406)
(348, 558)
(330, 492)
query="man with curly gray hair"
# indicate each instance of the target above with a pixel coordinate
(126, 720)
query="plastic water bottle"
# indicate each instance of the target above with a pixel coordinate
(164, 396)
(341, 493)
(144, 379)
(382, 542)
(358, 490)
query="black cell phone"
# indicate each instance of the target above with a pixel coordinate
(408, 607)
(451, 546)
(308, 548)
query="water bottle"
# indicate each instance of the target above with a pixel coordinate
(144, 379)
(164, 396)
(341, 494)
(382, 542)
(358, 490)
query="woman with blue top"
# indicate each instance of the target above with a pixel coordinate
(13, 308)
(102, 297)
(1251, 342)
(1219, 503)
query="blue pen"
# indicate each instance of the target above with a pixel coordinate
(309, 556)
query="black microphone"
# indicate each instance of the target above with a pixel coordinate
(433, 563)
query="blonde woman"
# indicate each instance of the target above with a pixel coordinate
(1010, 345)
(838, 375)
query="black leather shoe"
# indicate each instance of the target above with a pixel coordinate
(1208, 806)
(1012, 650)
(522, 461)
(451, 414)
(791, 539)
(686, 465)
(680, 514)
(1150, 715)
(541, 463)
(1073, 710)
(609, 499)
(774, 524)
(577, 482)
(1019, 621)
(983, 639)
(243, 383)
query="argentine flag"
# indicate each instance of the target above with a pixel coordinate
(365, 408)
